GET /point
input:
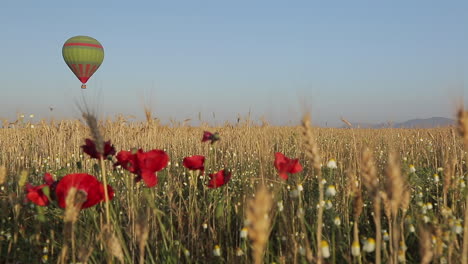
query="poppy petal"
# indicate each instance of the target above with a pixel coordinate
(149, 178)
(109, 149)
(285, 165)
(195, 162)
(83, 182)
(280, 161)
(90, 149)
(38, 198)
(284, 175)
(219, 179)
(207, 136)
(127, 160)
(36, 195)
(295, 166)
(154, 160)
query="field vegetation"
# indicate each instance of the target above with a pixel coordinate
(352, 196)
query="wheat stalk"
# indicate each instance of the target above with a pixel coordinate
(92, 123)
(312, 153)
(425, 247)
(258, 211)
(75, 198)
(371, 182)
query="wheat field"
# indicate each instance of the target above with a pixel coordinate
(362, 196)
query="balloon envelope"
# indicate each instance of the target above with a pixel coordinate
(83, 56)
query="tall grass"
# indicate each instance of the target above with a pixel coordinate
(182, 221)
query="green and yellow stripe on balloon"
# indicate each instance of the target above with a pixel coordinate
(83, 56)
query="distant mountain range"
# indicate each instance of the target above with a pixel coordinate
(413, 123)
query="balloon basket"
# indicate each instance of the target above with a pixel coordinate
(83, 86)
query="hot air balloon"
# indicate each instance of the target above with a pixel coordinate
(83, 56)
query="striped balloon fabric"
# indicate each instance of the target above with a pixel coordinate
(83, 56)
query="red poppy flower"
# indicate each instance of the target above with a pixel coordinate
(90, 149)
(85, 183)
(195, 162)
(208, 136)
(36, 195)
(151, 162)
(127, 160)
(219, 179)
(144, 164)
(285, 165)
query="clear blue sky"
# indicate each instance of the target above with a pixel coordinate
(368, 61)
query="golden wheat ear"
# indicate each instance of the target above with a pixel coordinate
(258, 217)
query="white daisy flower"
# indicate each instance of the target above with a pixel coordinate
(217, 251)
(356, 249)
(332, 164)
(243, 233)
(369, 245)
(337, 221)
(331, 190)
(325, 249)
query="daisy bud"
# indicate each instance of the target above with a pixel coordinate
(243, 232)
(300, 187)
(356, 249)
(186, 253)
(205, 225)
(332, 164)
(436, 178)
(457, 228)
(331, 190)
(385, 236)
(217, 251)
(239, 252)
(325, 249)
(328, 205)
(412, 229)
(412, 169)
(369, 245)
(429, 206)
(337, 221)
(426, 219)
